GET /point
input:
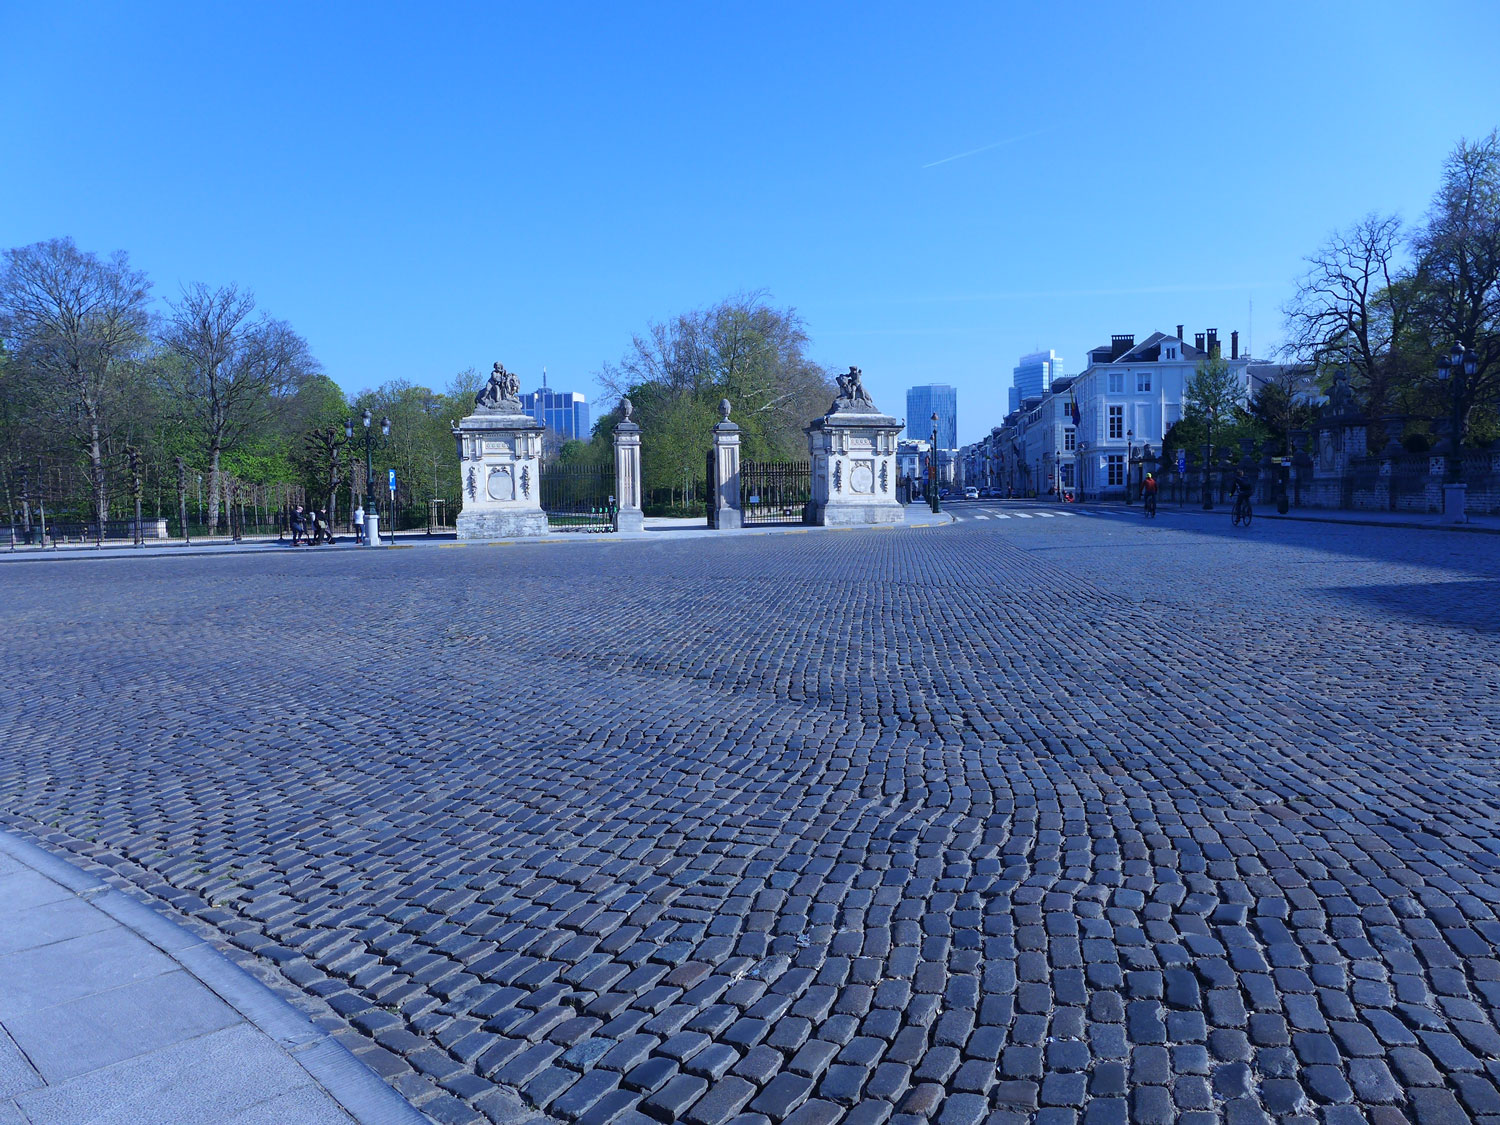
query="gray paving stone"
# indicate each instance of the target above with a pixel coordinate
(72, 1038)
(780, 836)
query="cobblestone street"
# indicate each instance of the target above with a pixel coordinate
(1045, 820)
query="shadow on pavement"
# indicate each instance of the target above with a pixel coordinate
(1462, 605)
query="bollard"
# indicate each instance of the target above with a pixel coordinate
(372, 529)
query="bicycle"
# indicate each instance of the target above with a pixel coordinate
(1150, 502)
(1242, 511)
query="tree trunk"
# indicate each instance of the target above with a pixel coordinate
(96, 464)
(214, 483)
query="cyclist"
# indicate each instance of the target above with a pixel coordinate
(1241, 488)
(1148, 494)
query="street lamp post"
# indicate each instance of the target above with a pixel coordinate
(1461, 366)
(1129, 457)
(385, 431)
(932, 466)
(1208, 454)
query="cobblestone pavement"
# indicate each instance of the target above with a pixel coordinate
(1041, 820)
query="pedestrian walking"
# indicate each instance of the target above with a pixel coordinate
(359, 525)
(299, 524)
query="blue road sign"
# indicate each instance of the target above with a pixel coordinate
(392, 473)
(1181, 461)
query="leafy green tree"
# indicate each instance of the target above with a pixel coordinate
(1457, 276)
(741, 349)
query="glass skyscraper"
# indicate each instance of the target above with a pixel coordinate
(921, 402)
(1033, 376)
(563, 411)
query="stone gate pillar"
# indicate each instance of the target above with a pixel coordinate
(630, 517)
(853, 450)
(499, 453)
(726, 514)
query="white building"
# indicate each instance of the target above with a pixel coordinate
(1128, 397)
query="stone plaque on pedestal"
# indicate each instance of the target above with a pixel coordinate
(853, 450)
(499, 451)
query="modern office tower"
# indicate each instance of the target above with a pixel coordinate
(920, 404)
(1033, 375)
(563, 411)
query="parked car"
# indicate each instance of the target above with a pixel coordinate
(971, 493)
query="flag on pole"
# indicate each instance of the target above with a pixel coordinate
(1073, 406)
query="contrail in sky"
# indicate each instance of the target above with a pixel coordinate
(984, 148)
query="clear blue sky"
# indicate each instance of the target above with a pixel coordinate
(424, 188)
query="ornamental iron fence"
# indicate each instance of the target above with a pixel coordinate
(775, 492)
(579, 497)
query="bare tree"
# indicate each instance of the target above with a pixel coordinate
(79, 322)
(1354, 305)
(226, 366)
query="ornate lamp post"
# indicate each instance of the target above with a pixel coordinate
(1461, 366)
(1129, 457)
(1208, 453)
(385, 431)
(932, 466)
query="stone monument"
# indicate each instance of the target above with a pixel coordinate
(499, 453)
(629, 516)
(853, 450)
(725, 512)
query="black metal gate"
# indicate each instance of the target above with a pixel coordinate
(773, 492)
(579, 497)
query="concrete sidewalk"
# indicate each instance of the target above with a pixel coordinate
(917, 515)
(110, 1014)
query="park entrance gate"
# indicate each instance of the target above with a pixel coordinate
(775, 492)
(579, 497)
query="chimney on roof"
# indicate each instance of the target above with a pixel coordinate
(1234, 344)
(1119, 345)
(1180, 336)
(1198, 341)
(1213, 343)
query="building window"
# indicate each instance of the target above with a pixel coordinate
(1117, 382)
(1143, 380)
(1116, 469)
(1116, 421)
(1067, 475)
(1070, 439)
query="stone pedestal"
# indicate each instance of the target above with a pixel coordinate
(1455, 497)
(853, 450)
(726, 513)
(499, 452)
(629, 517)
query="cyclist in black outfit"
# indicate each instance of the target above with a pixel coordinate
(1242, 488)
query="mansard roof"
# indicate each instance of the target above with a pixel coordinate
(1147, 351)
